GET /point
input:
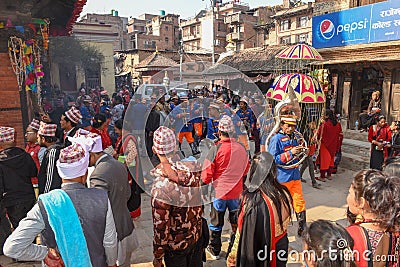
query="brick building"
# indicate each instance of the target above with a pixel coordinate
(152, 31)
(199, 32)
(292, 24)
(16, 106)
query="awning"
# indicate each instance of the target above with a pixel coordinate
(378, 52)
(355, 60)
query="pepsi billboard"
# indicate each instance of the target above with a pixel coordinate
(378, 22)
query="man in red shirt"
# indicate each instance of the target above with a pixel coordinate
(225, 166)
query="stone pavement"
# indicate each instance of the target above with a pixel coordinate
(329, 203)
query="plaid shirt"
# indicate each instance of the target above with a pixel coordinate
(177, 226)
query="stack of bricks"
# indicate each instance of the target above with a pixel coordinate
(10, 105)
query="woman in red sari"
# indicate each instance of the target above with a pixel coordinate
(375, 200)
(331, 136)
(99, 126)
(264, 215)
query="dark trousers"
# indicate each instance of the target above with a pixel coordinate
(308, 162)
(149, 145)
(377, 159)
(5, 229)
(256, 135)
(17, 212)
(190, 257)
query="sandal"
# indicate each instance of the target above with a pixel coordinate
(320, 179)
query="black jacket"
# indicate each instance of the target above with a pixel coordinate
(65, 141)
(48, 177)
(16, 170)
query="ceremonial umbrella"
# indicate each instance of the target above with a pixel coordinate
(306, 88)
(299, 51)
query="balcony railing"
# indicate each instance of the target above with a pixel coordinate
(191, 37)
(234, 18)
(238, 36)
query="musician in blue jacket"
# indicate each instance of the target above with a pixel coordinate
(284, 146)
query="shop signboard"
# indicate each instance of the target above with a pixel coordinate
(378, 22)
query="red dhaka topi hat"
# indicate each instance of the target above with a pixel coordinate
(47, 129)
(74, 115)
(164, 140)
(6, 134)
(35, 124)
(226, 124)
(72, 153)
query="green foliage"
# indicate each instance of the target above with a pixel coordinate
(69, 50)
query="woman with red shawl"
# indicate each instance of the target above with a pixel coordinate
(379, 135)
(99, 126)
(331, 136)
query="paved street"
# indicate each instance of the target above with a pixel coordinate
(326, 203)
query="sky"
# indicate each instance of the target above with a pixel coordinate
(134, 8)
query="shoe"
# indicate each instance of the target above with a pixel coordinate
(210, 251)
(303, 181)
(320, 179)
(362, 130)
(316, 185)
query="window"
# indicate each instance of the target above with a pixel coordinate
(302, 38)
(302, 22)
(166, 39)
(285, 40)
(285, 25)
(166, 28)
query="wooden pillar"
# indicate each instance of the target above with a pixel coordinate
(346, 103)
(386, 93)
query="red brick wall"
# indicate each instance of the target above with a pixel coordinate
(10, 105)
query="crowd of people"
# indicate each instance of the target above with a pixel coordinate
(88, 220)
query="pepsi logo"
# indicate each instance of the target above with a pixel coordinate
(327, 29)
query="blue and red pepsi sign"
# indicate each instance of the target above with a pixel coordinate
(378, 22)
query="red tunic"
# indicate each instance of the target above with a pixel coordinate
(105, 137)
(381, 135)
(33, 150)
(332, 136)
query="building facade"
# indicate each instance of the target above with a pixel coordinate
(154, 32)
(102, 37)
(364, 61)
(211, 29)
(116, 24)
(292, 24)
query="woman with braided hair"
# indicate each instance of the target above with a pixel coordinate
(375, 200)
(327, 244)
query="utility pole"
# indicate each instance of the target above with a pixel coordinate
(213, 3)
(180, 58)
(213, 33)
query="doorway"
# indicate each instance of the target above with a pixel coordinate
(67, 77)
(364, 82)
